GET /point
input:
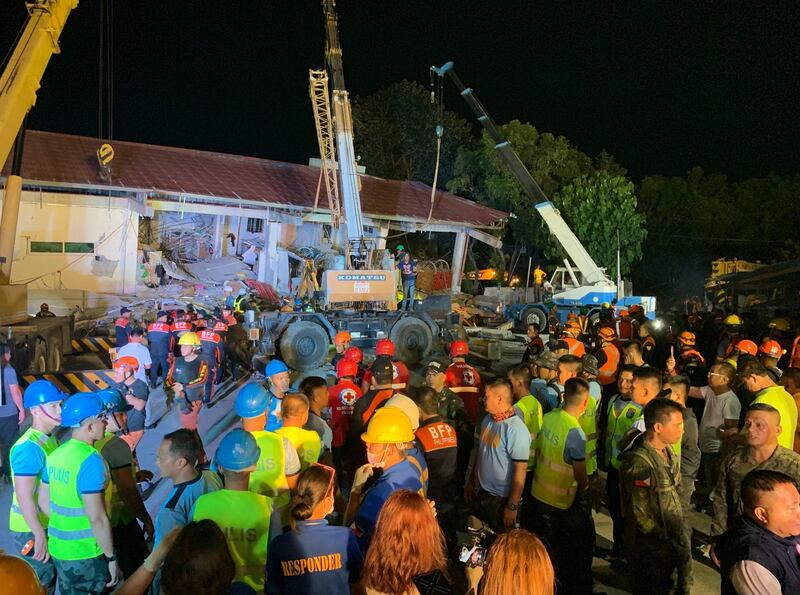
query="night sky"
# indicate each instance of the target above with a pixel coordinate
(662, 86)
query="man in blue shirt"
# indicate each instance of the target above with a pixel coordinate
(277, 374)
(12, 413)
(494, 488)
(545, 389)
(388, 433)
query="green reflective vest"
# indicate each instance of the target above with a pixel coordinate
(618, 426)
(244, 518)
(269, 478)
(777, 397)
(531, 411)
(306, 442)
(70, 535)
(16, 522)
(588, 422)
(118, 512)
(553, 479)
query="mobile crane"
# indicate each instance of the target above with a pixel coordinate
(37, 343)
(589, 287)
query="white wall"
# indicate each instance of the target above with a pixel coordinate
(108, 223)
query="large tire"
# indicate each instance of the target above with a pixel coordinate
(304, 345)
(531, 315)
(54, 355)
(413, 339)
(39, 363)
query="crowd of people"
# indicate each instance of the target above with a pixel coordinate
(376, 480)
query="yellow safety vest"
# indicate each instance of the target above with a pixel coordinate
(531, 411)
(618, 426)
(244, 518)
(306, 442)
(16, 522)
(118, 513)
(588, 422)
(553, 479)
(269, 478)
(70, 535)
(777, 397)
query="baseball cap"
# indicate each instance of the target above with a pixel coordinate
(547, 359)
(561, 345)
(160, 313)
(438, 364)
(590, 364)
(124, 310)
(382, 365)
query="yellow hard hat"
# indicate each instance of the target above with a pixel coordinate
(18, 577)
(189, 339)
(388, 425)
(781, 324)
(732, 320)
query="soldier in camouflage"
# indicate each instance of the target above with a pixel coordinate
(655, 542)
(451, 406)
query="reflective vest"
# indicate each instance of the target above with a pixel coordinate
(576, 348)
(269, 478)
(118, 513)
(244, 518)
(237, 303)
(531, 411)
(16, 522)
(70, 535)
(618, 426)
(306, 442)
(553, 479)
(588, 422)
(607, 372)
(777, 397)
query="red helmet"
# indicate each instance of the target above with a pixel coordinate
(354, 354)
(623, 313)
(346, 368)
(635, 309)
(459, 349)
(771, 349)
(746, 346)
(385, 347)
(126, 361)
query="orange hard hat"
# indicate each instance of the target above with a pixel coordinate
(746, 346)
(385, 347)
(573, 326)
(354, 354)
(771, 349)
(346, 367)
(607, 333)
(18, 576)
(635, 309)
(459, 349)
(687, 339)
(341, 337)
(572, 316)
(623, 313)
(126, 361)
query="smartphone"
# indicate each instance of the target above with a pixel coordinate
(472, 555)
(27, 549)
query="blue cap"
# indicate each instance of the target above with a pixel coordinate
(79, 407)
(251, 401)
(40, 392)
(238, 450)
(160, 313)
(275, 366)
(124, 310)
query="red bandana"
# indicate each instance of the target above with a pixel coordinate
(504, 416)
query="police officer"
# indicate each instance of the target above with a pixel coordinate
(655, 541)
(187, 379)
(464, 380)
(244, 516)
(277, 374)
(73, 487)
(26, 521)
(122, 327)
(294, 415)
(160, 340)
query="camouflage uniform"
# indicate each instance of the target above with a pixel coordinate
(82, 576)
(727, 504)
(45, 571)
(655, 542)
(451, 409)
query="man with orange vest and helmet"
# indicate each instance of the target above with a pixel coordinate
(571, 336)
(463, 379)
(608, 359)
(743, 346)
(211, 354)
(354, 354)
(624, 326)
(385, 347)
(780, 330)
(770, 353)
(187, 379)
(342, 399)
(160, 340)
(731, 334)
(341, 341)
(136, 394)
(688, 356)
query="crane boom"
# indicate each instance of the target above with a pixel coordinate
(592, 274)
(320, 102)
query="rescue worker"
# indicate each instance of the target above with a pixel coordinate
(561, 513)
(769, 353)
(571, 336)
(354, 354)
(123, 501)
(624, 326)
(463, 379)
(136, 394)
(535, 344)
(527, 408)
(137, 349)
(26, 521)
(688, 356)
(730, 336)
(755, 378)
(341, 341)
(211, 354)
(278, 380)
(315, 388)
(244, 516)
(538, 282)
(122, 327)
(648, 342)
(388, 432)
(342, 398)
(178, 329)
(608, 359)
(18, 577)
(366, 406)
(414, 453)
(187, 379)
(655, 541)
(249, 398)
(385, 348)
(294, 415)
(240, 302)
(159, 339)
(546, 392)
(221, 328)
(790, 381)
(73, 485)
(44, 312)
(745, 346)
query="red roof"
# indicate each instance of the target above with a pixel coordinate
(69, 159)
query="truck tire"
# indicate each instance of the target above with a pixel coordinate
(39, 361)
(531, 315)
(413, 339)
(54, 355)
(304, 345)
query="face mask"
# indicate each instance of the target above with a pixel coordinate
(377, 460)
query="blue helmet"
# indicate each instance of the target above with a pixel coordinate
(238, 450)
(40, 392)
(275, 366)
(251, 401)
(113, 401)
(79, 407)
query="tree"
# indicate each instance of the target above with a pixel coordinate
(395, 134)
